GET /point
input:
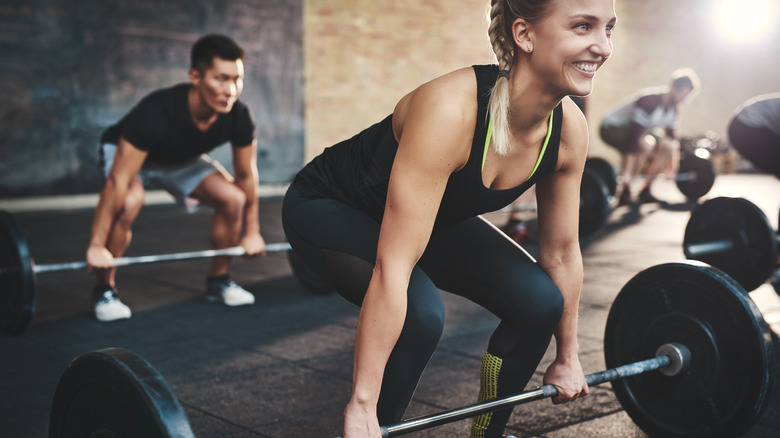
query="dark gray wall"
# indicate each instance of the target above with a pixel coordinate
(70, 68)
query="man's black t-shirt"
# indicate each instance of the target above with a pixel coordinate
(161, 124)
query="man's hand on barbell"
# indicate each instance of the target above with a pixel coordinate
(253, 244)
(99, 257)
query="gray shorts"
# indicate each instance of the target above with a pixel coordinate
(615, 136)
(178, 179)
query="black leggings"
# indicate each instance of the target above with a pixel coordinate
(472, 259)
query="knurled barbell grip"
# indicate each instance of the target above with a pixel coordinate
(695, 250)
(672, 358)
(125, 261)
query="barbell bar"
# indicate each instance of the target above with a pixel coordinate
(594, 202)
(701, 331)
(734, 235)
(18, 270)
(155, 258)
(670, 360)
(694, 179)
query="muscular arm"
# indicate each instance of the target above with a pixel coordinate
(127, 163)
(245, 169)
(435, 124)
(558, 213)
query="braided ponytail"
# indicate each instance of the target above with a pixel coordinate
(498, 106)
(502, 14)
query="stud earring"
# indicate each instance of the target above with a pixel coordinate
(528, 47)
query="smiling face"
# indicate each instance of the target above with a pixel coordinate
(570, 44)
(219, 86)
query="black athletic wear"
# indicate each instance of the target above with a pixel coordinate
(332, 215)
(356, 171)
(162, 125)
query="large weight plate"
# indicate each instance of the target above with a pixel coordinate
(115, 393)
(726, 388)
(605, 170)
(705, 177)
(17, 279)
(754, 255)
(594, 203)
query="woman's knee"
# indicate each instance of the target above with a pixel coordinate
(541, 309)
(424, 312)
(551, 311)
(425, 324)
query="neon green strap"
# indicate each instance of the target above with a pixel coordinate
(541, 154)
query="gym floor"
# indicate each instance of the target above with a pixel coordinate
(282, 367)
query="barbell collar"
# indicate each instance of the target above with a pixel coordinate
(696, 250)
(125, 261)
(670, 354)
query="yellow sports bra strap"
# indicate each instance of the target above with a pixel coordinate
(544, 146)
(487, 142)
(541, 154)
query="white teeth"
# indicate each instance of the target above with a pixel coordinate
(586, 66)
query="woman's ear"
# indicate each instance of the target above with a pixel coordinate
(522, 35)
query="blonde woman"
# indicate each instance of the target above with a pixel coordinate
(391, 216)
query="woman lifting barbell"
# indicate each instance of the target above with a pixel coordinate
(390, 216)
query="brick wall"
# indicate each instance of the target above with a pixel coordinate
(361, 56)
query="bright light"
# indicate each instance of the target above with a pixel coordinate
(745, 19)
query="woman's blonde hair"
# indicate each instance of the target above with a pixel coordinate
(502, 14)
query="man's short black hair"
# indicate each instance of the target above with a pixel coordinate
(206, 48)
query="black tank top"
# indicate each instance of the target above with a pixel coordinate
(357, 171)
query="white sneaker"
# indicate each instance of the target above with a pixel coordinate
(224, 290)
(108, 307)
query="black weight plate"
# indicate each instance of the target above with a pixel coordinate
(594, 203)
(115, 393)
(754, 254)
(17, 279)
(726, 387)
(605, 170)
(306, 276)
(705, 177)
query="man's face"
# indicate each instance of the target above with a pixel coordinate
(678, 94)
(220, 85)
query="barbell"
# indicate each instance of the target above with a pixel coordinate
(688, 352)
(18, 270)
(694, 179)
(594, 203)
(734, 235)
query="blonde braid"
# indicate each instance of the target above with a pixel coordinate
(498, 106)
(502, 14)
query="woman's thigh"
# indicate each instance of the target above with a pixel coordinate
(475, 260)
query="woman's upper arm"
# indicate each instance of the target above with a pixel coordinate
(435, 141)
(558, 194)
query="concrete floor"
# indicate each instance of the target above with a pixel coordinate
(282, 368)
